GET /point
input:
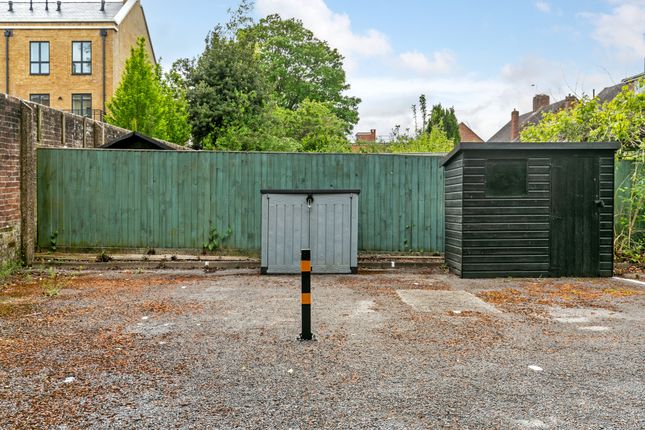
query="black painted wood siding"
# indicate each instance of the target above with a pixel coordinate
(506, 236)
(606, 237)
(453, 214)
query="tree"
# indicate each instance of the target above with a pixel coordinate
(299, 66)
(144, 102)
(225, 86)
(435, 141)
(445, 119)
(621, 120)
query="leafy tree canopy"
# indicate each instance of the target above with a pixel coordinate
(622, 120)
(444, 119)
(299, 66)
(147, 102)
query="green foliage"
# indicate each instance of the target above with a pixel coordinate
(443, 119)
(215, 239)
(299, 67)
(53, 239)
(8, 268)
(103, 257)
(146, 102)
(629, 240)
(622, 120)
(51, 285)
(270, 86)
(435, 141)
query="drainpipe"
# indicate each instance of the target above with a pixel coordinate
(7, 35)
(104, 33)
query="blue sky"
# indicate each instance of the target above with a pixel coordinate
(482, 57)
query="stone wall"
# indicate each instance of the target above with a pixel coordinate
(25, 126)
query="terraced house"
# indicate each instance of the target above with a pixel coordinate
(68, 55)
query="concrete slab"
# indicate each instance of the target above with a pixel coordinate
(439, 301)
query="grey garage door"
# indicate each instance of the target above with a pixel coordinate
(324, 221)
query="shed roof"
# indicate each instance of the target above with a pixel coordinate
(132, 137)
(515, 146)
(89, 11)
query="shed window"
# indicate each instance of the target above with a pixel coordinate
(506, 178)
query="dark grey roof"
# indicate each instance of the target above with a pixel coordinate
(136, 140)
(529, 118)
(532, 146)
(70, 12)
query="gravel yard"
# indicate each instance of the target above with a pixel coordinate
(403, 349)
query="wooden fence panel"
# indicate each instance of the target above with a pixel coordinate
(95, 199)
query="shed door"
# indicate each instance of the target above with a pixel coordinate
(574, 217)
(288, 232)
(331, 233)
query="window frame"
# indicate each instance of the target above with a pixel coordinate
(82, 101)
(488, 192)
(40, 62)
(82, 62)
(40, 96)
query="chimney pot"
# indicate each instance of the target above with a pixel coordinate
(102, 5)
(31, 5)
(58, 6)
(540, 101)
(10, 6)
(515, 125)
(46, 4)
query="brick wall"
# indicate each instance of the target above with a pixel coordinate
(25, 126)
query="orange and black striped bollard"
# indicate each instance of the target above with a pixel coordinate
(305, 296)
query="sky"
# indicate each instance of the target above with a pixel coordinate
(485, 58)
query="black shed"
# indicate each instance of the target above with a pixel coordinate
(530, 209)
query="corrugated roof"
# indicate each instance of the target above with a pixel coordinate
(70, 12)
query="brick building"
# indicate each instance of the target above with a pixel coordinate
(68, 55)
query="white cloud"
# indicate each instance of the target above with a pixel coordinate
(442, 61)
(543, 6)
(335, 28)
(621, 30)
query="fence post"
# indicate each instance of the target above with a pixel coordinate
(305, 296)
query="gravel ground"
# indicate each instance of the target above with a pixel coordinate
(394, 350)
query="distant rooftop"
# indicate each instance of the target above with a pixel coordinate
(41, 11)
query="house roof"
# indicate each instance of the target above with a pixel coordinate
(529, 118)
(114, 11)
(466, 134)
(124, 141)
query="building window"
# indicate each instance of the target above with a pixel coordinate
(42, 99)
(81, 58)
(506, 178)
(82, 104)
(39, 58)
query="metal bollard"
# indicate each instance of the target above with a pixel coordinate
(305, 296)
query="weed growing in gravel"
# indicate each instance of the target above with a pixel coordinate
(51, 284)
(103, 257)
(8, 269)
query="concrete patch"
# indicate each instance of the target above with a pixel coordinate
(594, 328)
(364, 307)
(439, 301)
(581, 315)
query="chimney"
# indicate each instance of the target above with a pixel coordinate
(515, 125)
(569, 101)
(373, 135)
(58, 6)
(102, 5)
(10, 6)
(540, 101)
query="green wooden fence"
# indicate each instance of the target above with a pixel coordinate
(89, 198)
